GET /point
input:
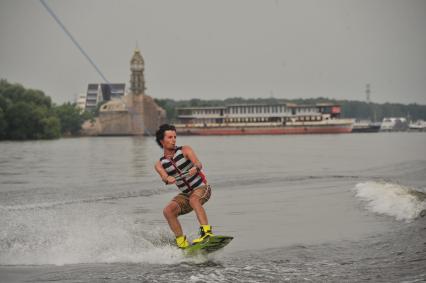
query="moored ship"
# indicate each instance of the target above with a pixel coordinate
(394, 124)
(419, 126)
(261, 119)
(366, 126)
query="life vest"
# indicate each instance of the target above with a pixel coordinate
(178, 165)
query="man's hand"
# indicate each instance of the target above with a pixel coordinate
(193, 171)
(170, 180)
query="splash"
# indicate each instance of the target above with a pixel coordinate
(82, 234)
(400, 202)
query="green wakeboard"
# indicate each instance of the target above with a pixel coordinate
(209, 245)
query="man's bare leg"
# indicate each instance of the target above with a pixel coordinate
(195, 203)
(171, 212)
(205, 228)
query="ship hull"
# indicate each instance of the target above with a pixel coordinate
(369, 129)
(281, 130)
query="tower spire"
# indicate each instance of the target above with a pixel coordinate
(137, 80)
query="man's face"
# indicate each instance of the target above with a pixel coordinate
(169, 141)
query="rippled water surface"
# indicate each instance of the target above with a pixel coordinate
(301, 208)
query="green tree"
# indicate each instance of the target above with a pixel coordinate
(70, 118)
(169, 105)
(4, 102)
(51, 127)
(26, 114)
(21, 122)
(37, 97)
(3, 124)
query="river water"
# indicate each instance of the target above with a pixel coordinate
(301, 208)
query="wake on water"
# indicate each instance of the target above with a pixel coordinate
(82, 234)
(95, 232)
(402, 203)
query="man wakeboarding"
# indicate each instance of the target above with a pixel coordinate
(179, 165)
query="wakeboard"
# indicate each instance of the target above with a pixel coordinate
(209, 245)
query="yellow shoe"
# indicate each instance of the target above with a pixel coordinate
(181, 242)
(205, 232)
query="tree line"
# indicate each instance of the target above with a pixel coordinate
(350, 109)
(30, 114)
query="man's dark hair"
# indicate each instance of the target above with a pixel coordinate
(159, 135)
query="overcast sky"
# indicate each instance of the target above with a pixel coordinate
(222, 48)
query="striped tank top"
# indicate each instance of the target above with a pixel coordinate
(179, 165)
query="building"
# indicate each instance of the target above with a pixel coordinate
(81, 102)
(93, 96)
(103, 92)
(133, 114)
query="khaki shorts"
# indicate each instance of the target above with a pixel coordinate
(182, 199)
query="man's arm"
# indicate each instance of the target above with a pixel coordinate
(163, 174)
(190, 154)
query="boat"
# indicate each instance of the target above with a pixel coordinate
(262, 119)
(393, 124)
(419, 126)
(366, 126)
